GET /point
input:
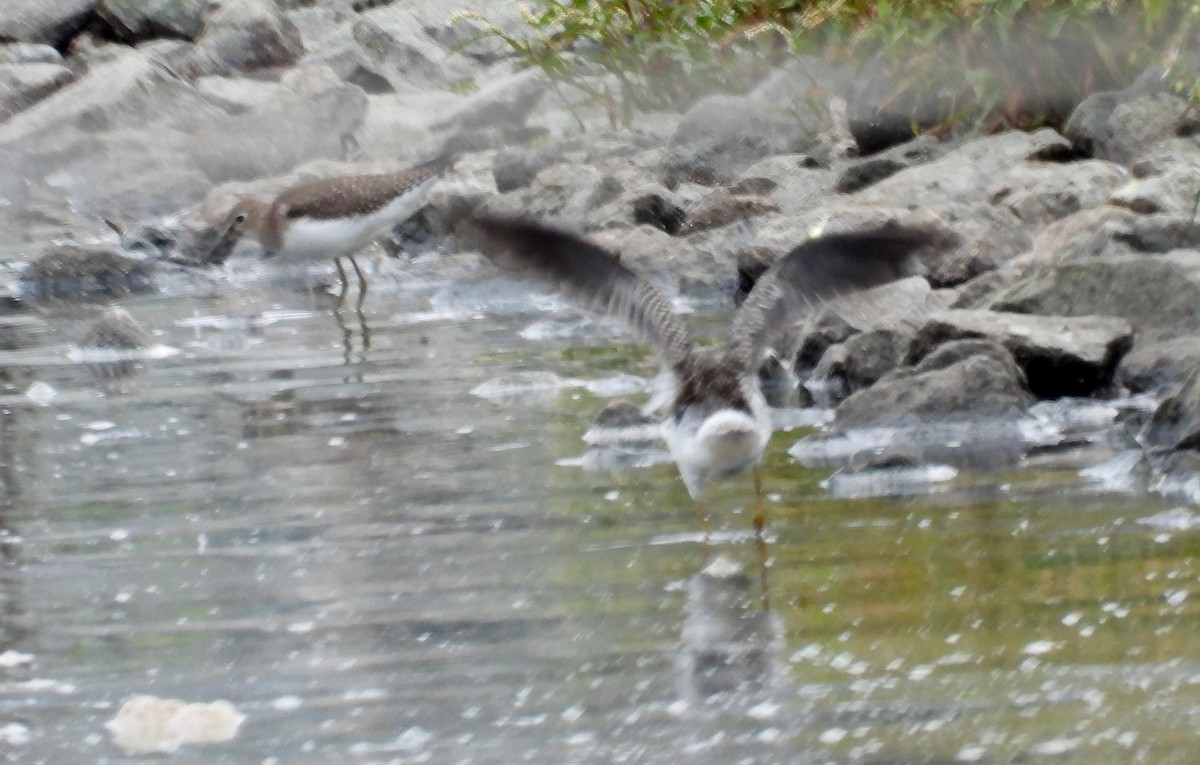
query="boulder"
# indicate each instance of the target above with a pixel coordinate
(39, 21)
(870, 170)
(1156, 292)
(1038, 193)
(1156, 366)
(22, 85)
(722, 135)
(1118, 125)
(135, 20)
(241, 36)
(1060, 356)
(720, 209)
(76, 272)
(961, 380)
(29, 53)
(1175, 423)
(395, 44)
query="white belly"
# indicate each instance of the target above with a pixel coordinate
(723, 444)
(318, 239)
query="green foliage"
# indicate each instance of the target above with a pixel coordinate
(1014, 62)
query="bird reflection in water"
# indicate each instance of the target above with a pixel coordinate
(731, 637)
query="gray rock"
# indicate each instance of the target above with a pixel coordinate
(276, 138)
(1161, 233)
(721, 208)
(1118, 125)
(1083, 236)
(502, 101)
(1157, 293)
(1040, 192)
(722, 135)
(961, 380)
(865, 172)
(22, 85)
(968, 173)
(517, 166)
(991, 236)
(821, 332)
(133, 20)
(29, 53)
(39, 21)
(659, 207)
(1059, 356)
(76, 272)
(127, 92)
(1175, 423)
(396, 45)
(796, 182)
(1156, 366)
(1174, 192)
(859, 362)
(241, 36)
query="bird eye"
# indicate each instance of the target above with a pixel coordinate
(239, 218)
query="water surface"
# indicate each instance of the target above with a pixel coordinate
(375, 565)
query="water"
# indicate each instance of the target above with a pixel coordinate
(376, 566)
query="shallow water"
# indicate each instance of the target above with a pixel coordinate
(375, 565)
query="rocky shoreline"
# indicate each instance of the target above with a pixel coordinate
(1068, 264)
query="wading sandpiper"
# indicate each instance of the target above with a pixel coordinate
(331, 217)
(718, 423)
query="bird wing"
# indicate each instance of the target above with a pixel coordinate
(588, 274)
(815, 271)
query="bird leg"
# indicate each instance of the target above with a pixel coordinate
(362, 282)
(343, 281)
(760, 509)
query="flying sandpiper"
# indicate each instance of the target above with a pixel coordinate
(718, 423)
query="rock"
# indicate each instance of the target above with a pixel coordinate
(237, 94)
(241, 36)
(1160, 233)
(961, 380)
(721, 209)
(21, 85)
(38, 21)
(126, 92)
(722, 135)
(1156, 366)
(117, 330)
(865, 172)
(517, 166)
(968, 173)
(276, 138)
(1059, 356)
(1175, 423)
(796, 182)
(821, 332)
(670, 261)
(29, 53)
(989, 237)
(396, 45)
(75, 272)
(501, 101)
(657, 206)
(136, 20)
(1038, 193)
(1118, 125)
(1083, 236)
(857, 363)
(1157, 293)
(778, 234)
(1174, 192)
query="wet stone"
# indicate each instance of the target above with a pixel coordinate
(79, 272)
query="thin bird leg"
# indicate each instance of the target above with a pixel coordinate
(341, 280)
(362, 282)
(760, 508)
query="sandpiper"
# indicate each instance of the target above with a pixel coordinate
(718, 424)
(331, 217)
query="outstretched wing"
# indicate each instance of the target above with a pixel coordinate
(815, 271)
(588, 274)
